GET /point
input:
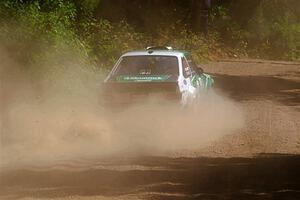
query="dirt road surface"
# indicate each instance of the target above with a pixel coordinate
(260, 161)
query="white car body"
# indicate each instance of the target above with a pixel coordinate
(189, 81)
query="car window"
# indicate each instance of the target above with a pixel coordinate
(148, 65)
(186, 68)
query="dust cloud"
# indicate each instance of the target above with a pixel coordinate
(45, 121)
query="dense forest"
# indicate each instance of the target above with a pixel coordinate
(33, 32)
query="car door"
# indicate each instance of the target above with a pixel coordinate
(189, 91)
(199, 79)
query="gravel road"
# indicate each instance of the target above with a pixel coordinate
(259, 161)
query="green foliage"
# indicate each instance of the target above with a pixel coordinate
(108, 40)
(274, 31)
(286, 38)
(49, 31)
(31, 29)
(179, 37)
(227, 30)
(271, 31)
(39, 32)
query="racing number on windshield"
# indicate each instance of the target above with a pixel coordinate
(187, 72)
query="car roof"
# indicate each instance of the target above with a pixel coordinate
(178, 53)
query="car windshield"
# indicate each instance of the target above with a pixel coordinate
(148, 66)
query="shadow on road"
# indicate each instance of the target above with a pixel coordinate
(254, 87)
(262, 177)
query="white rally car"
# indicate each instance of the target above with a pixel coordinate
(156, 70)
